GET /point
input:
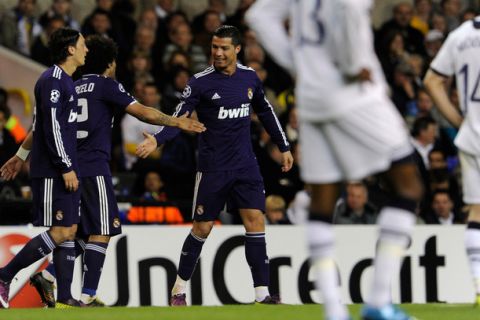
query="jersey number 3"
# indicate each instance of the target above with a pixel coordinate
(82, 116)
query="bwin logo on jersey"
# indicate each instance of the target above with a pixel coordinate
(72, 117)
(243, 111)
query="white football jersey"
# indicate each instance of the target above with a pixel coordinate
(460, 57)
(327, 41)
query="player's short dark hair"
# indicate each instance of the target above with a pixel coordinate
(227, 31)
(60, 40)
(101, 52)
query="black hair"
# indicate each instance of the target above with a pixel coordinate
(60, 40)
(421, 124)
(227, 31)
(102, 52)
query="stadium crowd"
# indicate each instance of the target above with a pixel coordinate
(161, 46)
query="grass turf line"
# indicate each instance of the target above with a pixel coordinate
(232, 312)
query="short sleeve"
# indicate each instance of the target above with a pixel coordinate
(114, 93)
(444, 61)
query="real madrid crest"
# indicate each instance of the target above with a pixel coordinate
(59, 215)
(250, 93)
(199, 210)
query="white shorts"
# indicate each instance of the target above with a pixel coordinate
(470, 177)
(357, 144)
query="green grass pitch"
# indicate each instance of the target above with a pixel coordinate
(237, 312)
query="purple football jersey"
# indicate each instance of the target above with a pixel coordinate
(98, 96)
(224, 104)
(54, 149)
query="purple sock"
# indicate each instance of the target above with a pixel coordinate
(64, 261)
(257, 259)
(79, 249)
(93, 264)
(35, 249)
(192, 247)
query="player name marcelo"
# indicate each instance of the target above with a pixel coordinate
(86, 87)
(243, 111)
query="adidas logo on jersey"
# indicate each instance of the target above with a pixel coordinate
(243, 111)
(216, 96)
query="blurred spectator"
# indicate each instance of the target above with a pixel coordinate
(13, 124)
(275, 210)
(203, 36)
(104, 6)
(60, 8)
(8, 146)
(404, 89)
(40, 51)
(394, 53)
(284, 184)
(181, 38)
(442, 210)
(253, 52)
(19, 27)
(154, 188)
(468, 14)
(163, 8)
(412, 37)
(424, 133)
(178, 59)
(269, 93)
(439, 23)
(238, 18)
(178, 79)
(451, 10)
(99, 23)
(441, 178)
(132, 128)
(424, 103)
(139, 65)
(422, 11)
(433, 42)
(355, 208)
(218, 6)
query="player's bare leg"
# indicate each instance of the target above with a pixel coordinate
(396, 222)
(321, 242)
(256, 254)
(472, 245)
(192, 247)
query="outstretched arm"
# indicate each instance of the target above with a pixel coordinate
(156, 117)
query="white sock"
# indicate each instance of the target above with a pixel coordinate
(48, 276)
(180, 286)
(396, 225)
(321, 242)
(261, 293)
(472, 245)
(85, 298)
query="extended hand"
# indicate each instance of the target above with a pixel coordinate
(188, 124)
(287, 161)
(11, 168)
(147, 146)
(71, 181)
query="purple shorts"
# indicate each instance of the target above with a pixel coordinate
(99, 207)
(239, 189)
(53, 205)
